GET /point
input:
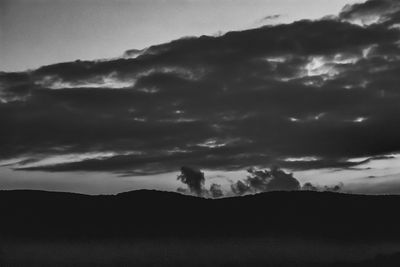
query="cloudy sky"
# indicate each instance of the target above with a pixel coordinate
(109, 96)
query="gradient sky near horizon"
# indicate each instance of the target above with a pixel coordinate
(34, 33)
(318, 97)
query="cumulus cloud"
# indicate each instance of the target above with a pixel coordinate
(194, 179)
(258, 181)
(327, 188)
(216, 191)
(240, 188)
(326, 89)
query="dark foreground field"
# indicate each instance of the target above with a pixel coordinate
(150, 228)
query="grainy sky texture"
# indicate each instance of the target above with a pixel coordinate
(318, 97)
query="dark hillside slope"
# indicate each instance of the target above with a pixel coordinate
(153, 213)
(152, 228)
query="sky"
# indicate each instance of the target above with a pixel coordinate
(42, 32)
(108, 96)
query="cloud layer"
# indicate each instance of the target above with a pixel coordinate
(325, 90)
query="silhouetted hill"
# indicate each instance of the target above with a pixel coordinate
(155, 213)
(247, 230)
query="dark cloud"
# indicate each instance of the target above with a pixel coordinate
(326, 89)
(282, 181)
(132, 53)
(269, 18)
(371, 11)
(240, 188)
(309, 187)
(194, 179)
(216, 191)
(332, 188)
(258, 181)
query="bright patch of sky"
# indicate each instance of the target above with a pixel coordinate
(42, 32)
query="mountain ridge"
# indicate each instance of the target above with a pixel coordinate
(157, 213)
(157, 228)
